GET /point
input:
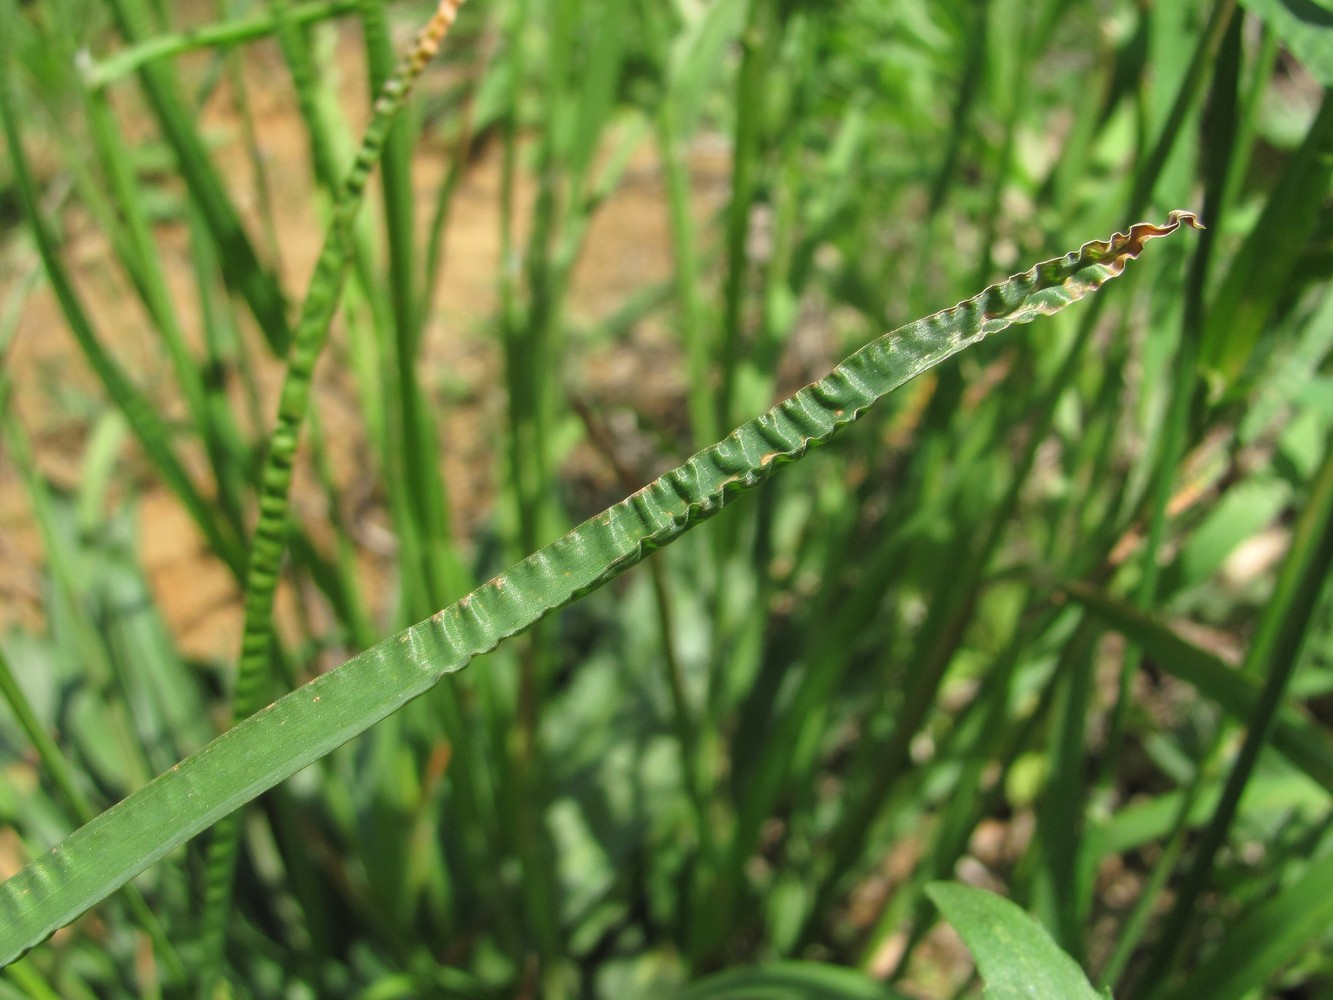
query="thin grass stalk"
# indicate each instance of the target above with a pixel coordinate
(1135, 926)
(1097, 460)
(973, 60)
(324, 153)
(1064, 882)
(368, 352)
(1174, 434)
(1185, 383)
(231, 68)
(459, 158)
(526, 329)
(267, 545)
(499, 713)
(745, 625)
(1149, 168)
(564, 201)
(1283, 628)
(527, 347)
(227, 359)
(68, 792)
(1250, 113)
(1011, 57)
(352, 610)
(689, 301)
(406, 456)
(781, 286)
(759, 41)
(240, 264)
(132, 246)
(941, 636)
(791, 743)
(417, 452)
(686, 62)
(139, 255)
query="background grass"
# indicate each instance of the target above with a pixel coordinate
(1053, 621)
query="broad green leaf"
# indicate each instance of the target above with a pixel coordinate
(790, 981)
(1014, 954)
(308, 723)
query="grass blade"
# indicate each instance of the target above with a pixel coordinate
(1016, 957)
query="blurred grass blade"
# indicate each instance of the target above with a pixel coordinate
(789, 981)
(252, 681)
(1302, 741)
(302, 726)
(209, 36)
(1016, 958)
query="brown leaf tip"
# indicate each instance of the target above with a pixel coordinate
(1179, 216)
(1130, 244)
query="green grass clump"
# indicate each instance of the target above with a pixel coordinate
(1053, 619)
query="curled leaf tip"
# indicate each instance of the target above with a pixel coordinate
(1179, 216)
(1139, 233)
(1125, 246)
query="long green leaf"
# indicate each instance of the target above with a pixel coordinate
(790, 981)
(308, 723)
